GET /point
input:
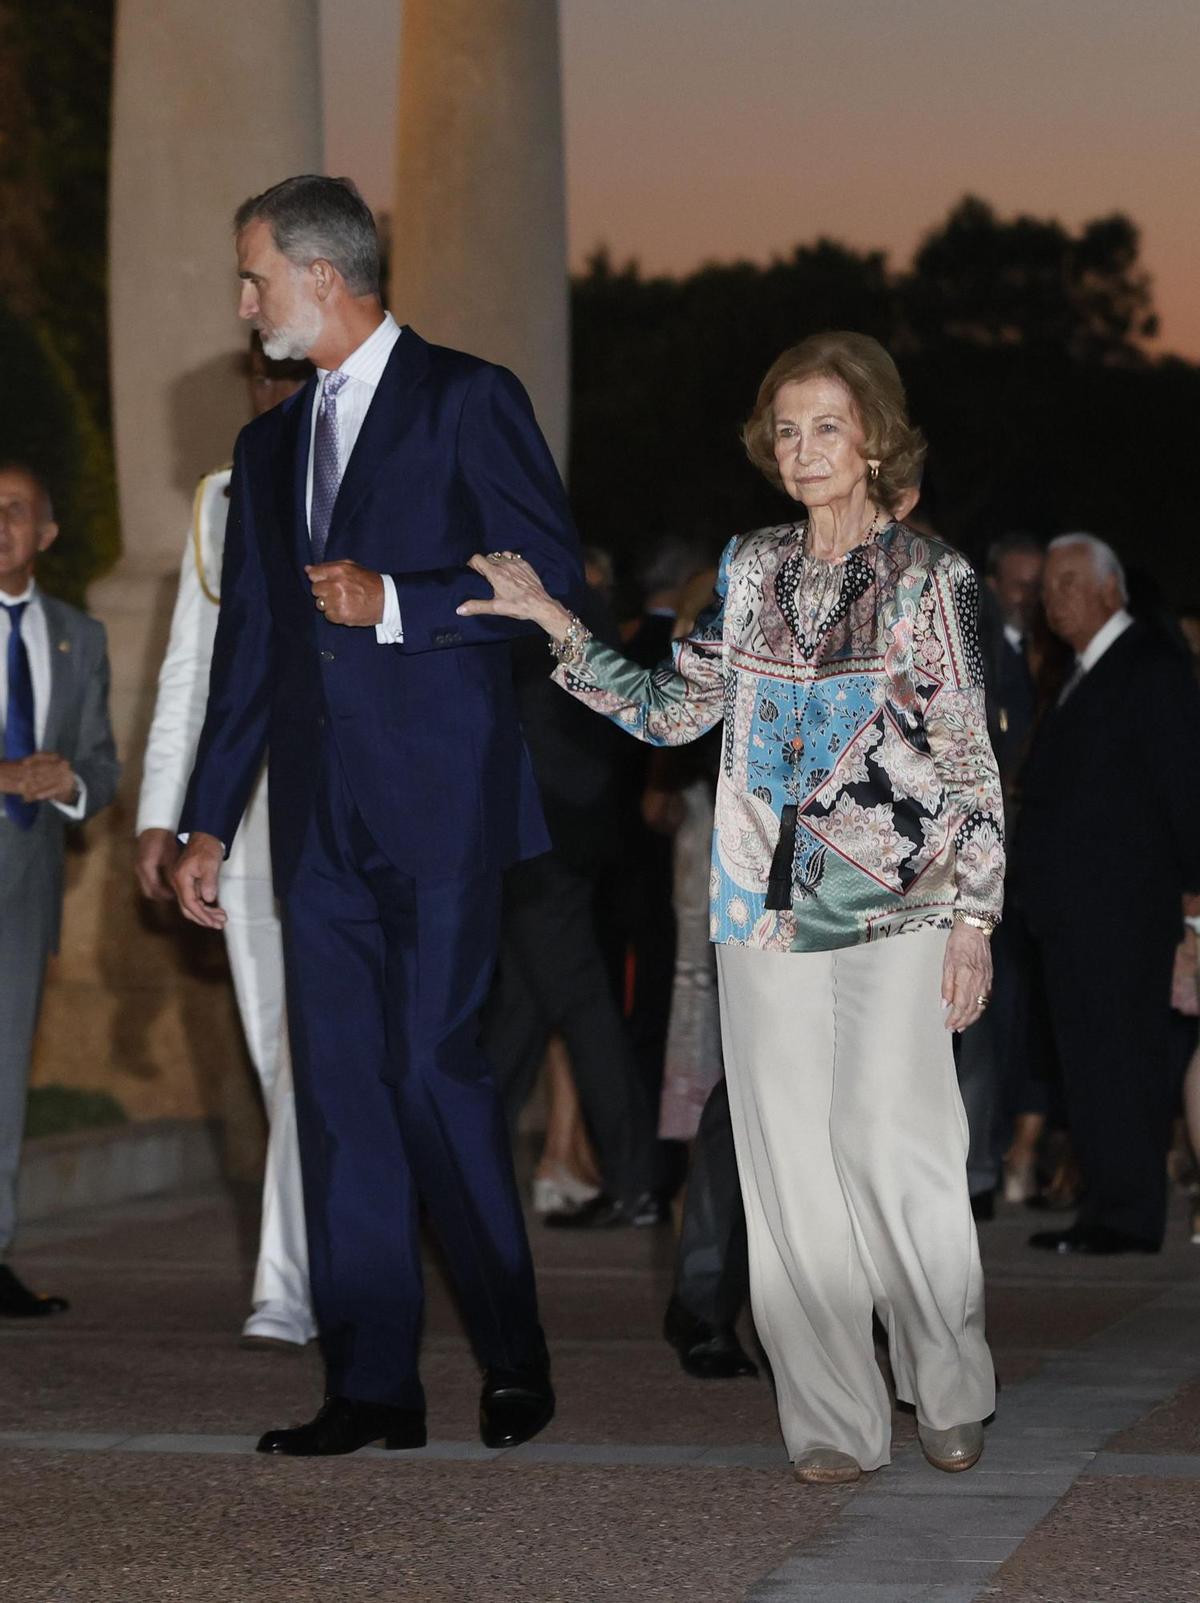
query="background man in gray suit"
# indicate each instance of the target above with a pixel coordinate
(57, 764)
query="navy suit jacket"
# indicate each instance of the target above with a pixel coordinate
(450, 461)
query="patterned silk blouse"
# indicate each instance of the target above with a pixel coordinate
(858, 795)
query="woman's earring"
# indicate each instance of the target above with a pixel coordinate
(872, 471)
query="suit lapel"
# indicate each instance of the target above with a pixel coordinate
(380, 430)
(61, 639)
(1097, 679)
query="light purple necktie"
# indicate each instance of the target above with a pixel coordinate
(326, 471)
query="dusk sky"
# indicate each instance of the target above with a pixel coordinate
(713, 129)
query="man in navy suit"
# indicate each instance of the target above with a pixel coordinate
(400, 789)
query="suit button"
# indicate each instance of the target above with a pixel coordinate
(320, 720)
(327, 656)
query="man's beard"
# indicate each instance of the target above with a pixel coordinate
(291, 342)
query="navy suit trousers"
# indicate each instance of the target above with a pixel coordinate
(395, 1105)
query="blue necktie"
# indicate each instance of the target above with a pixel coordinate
(326, 469)
(19, 732)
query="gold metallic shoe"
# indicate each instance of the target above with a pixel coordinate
(953, 1449)
(825, 1466)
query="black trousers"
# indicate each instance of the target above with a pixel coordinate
(552, 977)
(1109, 999)
(712, 1274)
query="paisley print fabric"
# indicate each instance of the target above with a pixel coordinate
(853, 690)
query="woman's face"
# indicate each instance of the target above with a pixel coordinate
(818, 441)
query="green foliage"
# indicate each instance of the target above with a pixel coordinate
(55, 91)
(60, 1109)
(46, 422)
(1022, 346)
(62, 52)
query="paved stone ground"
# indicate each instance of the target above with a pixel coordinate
(127, 1426)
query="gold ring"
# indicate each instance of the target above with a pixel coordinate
(982, 1001)
(320, 605)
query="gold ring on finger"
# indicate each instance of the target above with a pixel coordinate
(982, 1001)
(320, 605)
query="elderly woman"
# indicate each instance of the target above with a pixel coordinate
(857, 874)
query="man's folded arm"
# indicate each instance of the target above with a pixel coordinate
(517, 503)
(233, 740)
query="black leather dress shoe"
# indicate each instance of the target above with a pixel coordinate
(1096, 1241)
(606, 1213)
(709, 1352)
(344, 1425)
(18, 1302)
(514, 1405)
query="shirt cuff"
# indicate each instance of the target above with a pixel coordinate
(75, 810)
(389, 631)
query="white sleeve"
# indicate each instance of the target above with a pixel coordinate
(74, 811)
(179, 705)
(389, 631)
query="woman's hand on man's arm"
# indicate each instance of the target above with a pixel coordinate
(517, 593)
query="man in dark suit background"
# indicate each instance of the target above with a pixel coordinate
(1106, 849)
(553, 977)
(58, 765)
(400, 790)
(992, 1055)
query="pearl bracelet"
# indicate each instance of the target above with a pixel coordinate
(569, 650)
(976, 921)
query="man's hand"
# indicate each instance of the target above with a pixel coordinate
(44, 776)
(48, 778)
(155, 857)
(346, 593)
(195, 879)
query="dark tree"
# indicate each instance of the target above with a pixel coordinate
(46, 422)
(978, 280)
(1022, 345)
(55, 91)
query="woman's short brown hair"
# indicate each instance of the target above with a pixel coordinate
(869, 374)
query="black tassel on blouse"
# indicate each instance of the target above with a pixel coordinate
(779, 885)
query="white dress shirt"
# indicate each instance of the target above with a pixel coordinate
(1107, 635)
(36, 636)
(363, 369)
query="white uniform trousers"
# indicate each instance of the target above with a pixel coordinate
(851, 1147)
(254, 942)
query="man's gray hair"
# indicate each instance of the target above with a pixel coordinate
(1105, 561)
(312, 218)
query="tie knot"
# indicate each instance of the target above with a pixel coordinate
(334, 383)
(16, 611)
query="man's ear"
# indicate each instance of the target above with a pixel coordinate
(47, 535)
(323, 275)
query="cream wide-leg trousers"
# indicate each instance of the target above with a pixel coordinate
(851, 1147)
(254, 942)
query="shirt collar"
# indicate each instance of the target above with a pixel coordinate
(28, 594)
(1103, 638)
(368, 360)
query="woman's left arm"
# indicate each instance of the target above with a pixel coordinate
(956, 727)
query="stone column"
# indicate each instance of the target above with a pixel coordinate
(479, 226)
(211, 102)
